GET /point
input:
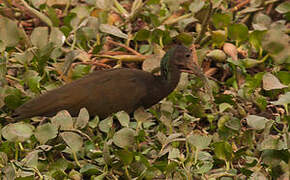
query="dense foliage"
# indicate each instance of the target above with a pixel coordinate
(233, 126)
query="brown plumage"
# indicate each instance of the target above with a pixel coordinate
(109, 91)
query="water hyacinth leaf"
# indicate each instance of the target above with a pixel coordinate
(56, 37)
(3, 158)
(125, 156)
(13, 100)
(255, 39)
(234, 124)
(94, 123)
(272, 44)
(31, 159)
(10, 34)
(35, 37)
(196, 6)
(124, 138)
(17, 132)
(185, 38)
(32, 79)
(258, 175)
(218, 37)
(80, 71)
(199, 141)
(45, 132)
(89, 169)
(261, 22)
(272, 142)
(223, 151)
(217, 55)
(73, 174)
(174, 153)
(238, 32)
(256, 122)
(271, 82)
(81, 11)
(83, 118)
(63, 120)
(73, 140)
(205, 167)
(221, 20)
(224, 106)
(142, 35)
(123, 118)
(250, 63)
(167, 106)
(113, 30)
(283, 7)
(106, 124)
(104, 4)
(141, 115)
(284, 99)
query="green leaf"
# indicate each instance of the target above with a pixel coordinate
(234, 124)
(94, 123)
(272, 142)
(217, 55)
(3, 158)
(141, 115)
(13, 101)
(123, 118)
(196, 6)
(174, 153)
(124, 138)
(255, 39)
(218, 37)
(9, 33)
(32, 79)
(272, 44)
(63, 120)
(106, 124)
(51, 12)
(283, 7)
(17, 132)
(73, 140)
(83, 119)
(56, 37)
(104, 4)
(36, 34)
(113, 30)
(238, 32)
(199, 141)
(205, 167)
(221, 20)
(80, 71)
(284, 99)
(31, 159)
(89, 169)
(45, 132)
(223, 151)
(224, 106)
(256, 122)
(125, 156)
(261, 21)
(270, 82)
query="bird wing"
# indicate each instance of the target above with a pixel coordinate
(102, 93)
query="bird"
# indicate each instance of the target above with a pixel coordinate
(105, 92)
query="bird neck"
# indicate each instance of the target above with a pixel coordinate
(170, 74)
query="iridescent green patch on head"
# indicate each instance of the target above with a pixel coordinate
(164, 65)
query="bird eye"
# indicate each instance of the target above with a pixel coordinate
(187, 55)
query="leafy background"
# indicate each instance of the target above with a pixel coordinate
(233, 126)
